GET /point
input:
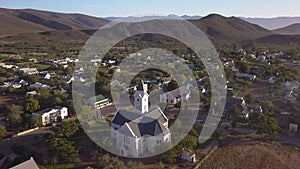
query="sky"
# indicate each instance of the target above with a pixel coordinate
(105, 8)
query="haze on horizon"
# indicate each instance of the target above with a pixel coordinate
(99, 8)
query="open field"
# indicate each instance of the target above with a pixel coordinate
(6, 99)
(249, 154)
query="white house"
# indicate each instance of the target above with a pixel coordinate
(272, 80)
(18, 83)
(247, 76)
(141, 131)
(240, 103)
(260, 58)
(68, 79)
(31, 93)
(198, 85)
(51, 62)
(99, 101)
(175, 96)
(291, 96)
(188, 155)
(29, 71)
(45, 75)
(292, 85)
(111, 61)
(51, 115)
(38, 85)
(293, 128)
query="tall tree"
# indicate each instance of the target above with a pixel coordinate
(67, 128)
(14, 113)
(32, 104)
(264, 124)
(62, 150)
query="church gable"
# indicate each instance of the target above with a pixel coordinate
(126, 130)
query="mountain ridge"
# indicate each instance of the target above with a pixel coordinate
(34, 21)
(36, 25)
(293, 29)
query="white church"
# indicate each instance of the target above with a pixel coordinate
(141, 131)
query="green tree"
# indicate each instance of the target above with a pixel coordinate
(107, 162)
(132, 164)
(14, 113)
(32, 104)
(172, 85)
(243, 67)
(30, 78)
(62, 150)
(264, 124)
(67, 128)
(235, 111)
(2, 131)
(249, 98)
(57, 101)
(35, 122)
(267, 106)
(189, 142)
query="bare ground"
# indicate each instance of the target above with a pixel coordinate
(251, 154)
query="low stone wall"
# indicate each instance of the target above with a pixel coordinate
(27, 131)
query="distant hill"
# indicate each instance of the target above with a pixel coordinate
(19, 21)
(229, 29)
(268, 23)
(34, 25)
(171, 16)
(273, 23)
(54, 36)
(278, 39)
(289, 30)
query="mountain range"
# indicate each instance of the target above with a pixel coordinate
(273, 23)
(268, 23)
(35, 25)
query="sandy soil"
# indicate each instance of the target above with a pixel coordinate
(254, 155)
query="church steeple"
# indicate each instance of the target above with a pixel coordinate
(141, 98)
(142, 86)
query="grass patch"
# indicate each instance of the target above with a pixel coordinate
(205, 144)
(60, 166)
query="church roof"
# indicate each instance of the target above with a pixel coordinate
(134, 124)
(126, 130)
(152, 128)
(123, 117)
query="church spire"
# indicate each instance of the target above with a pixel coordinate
(142, 86)
(141, 98)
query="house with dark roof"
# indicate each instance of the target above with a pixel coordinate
(45, 75)
(140, 131)
(175, 96)
(239, 102)
(246, 76)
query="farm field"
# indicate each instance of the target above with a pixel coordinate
(250, 154)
